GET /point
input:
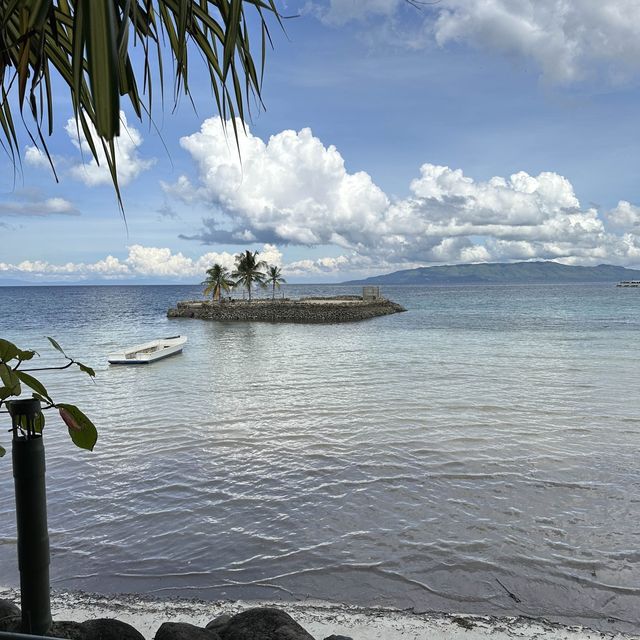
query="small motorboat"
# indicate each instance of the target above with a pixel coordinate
(149, 352)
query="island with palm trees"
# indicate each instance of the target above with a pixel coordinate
(251, 273)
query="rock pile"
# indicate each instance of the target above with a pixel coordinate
(261, 623)
(309, 310)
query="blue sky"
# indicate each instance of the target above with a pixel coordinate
(463, 131)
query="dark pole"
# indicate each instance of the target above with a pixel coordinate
(31, 516)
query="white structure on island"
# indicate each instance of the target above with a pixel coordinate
(370, 293)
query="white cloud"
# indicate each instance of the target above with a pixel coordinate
(141, 262)
(294, 190)
(567, 40)
(291, 189)
(32, 203)
(129, 164)
(624, 216)
(564, 38)
(36, 157)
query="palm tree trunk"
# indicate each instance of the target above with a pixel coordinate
(273, 291)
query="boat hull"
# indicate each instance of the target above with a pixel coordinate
(149, 352)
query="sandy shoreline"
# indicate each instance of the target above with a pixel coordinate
(321, 619)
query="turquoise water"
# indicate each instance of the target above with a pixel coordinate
(485, 442)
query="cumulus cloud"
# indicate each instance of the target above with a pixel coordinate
(564, 38)
(567, 40)
(292, 189)
(129, 163)
(32, 203)
(141, 262)
(36, 157)
(624, 216)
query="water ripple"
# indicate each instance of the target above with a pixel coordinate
(489, 436)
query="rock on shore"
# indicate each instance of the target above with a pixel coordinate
(306, 310)
(257, 623)
(92, 617)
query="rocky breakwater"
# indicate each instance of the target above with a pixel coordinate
(305, 310)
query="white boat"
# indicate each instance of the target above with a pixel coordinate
(149, 352)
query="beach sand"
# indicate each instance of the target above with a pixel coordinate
(319, 618)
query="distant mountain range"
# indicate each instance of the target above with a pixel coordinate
(502, 273)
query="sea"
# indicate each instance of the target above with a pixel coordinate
(479, 453)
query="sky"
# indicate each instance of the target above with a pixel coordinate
(393, 136)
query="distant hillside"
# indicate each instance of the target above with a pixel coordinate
(501, 273)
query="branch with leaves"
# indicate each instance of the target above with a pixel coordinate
(14, 377)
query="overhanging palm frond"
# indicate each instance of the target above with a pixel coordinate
(89, 44)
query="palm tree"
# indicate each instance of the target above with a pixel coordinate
(275, 279)
(248, 270)
(217, 281)
(88, 47)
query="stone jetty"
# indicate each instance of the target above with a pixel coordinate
(304, 310)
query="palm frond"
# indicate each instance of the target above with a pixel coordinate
(89, 46)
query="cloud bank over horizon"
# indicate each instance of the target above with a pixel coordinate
(141, 262)
(294, 190)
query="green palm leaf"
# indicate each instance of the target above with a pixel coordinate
(89, 45)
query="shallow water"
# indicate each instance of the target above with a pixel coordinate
(480, 449)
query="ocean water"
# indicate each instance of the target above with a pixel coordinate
(480, 453)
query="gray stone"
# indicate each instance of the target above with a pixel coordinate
(219, 623)
(465, 623)
(263, 623)
(184, 631)
(10, 616)
(110, 629)
(68, 630)
(8, 609)
(307, 310)
(11, 624)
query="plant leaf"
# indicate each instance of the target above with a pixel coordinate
(8, 350)
(2, 451)
(82, 431)
(35, 384)
(10, 379)
(38, 424)
(56, 346)
(102, 62)
(26, 355)
(86, 369)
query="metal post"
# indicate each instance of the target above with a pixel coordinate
(31, 517)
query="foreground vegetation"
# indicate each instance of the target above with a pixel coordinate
(105, 53)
